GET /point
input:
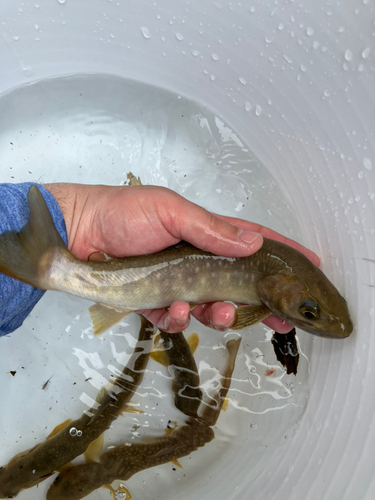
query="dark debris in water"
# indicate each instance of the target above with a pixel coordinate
(286, 350)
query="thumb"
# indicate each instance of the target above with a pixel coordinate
(206, 231)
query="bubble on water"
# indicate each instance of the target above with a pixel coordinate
(145, 32)
(61, 1)
(360, 174)
(327, 93)
(348, 55)
(195, 52)
(258, 110)
(242, 80)
(366, 52)
(367, 163)
(248, 106)
(179, 36)
(309, 31)
(350, 201)
(215, 57)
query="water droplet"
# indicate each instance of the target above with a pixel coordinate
(288, 59)
(350, 201)
(248, 106)
(36, 26)
(309, 31)
(280, 27)
(356, 220)
(215, 57)
(73, 431)
(258, 110)
(242, 80)
(360, 174)
(145, 32)
(179, 37)
(195, 53)
(326, 93)
(361, 68)
(315, 44)
(367, 163)
(16, 38)
(112, 35)
(348, 55)
(366, 52)
(268, 39)
(303, 68)
(252, 9)
(213, 78)
(61, 1)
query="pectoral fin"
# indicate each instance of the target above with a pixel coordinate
(94, 449)
(176, 463)
(249, 316)
(104, 317)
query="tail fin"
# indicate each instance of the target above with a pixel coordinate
(27, 255)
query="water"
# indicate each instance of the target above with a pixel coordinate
(95, 129)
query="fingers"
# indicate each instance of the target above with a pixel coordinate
(217, 315)
(189, 222)
(272, 235)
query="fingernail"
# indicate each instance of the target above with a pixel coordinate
(249, 237)
(165, 324)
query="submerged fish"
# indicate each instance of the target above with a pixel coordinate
(72, 438)
(125, 460)
(275, 280)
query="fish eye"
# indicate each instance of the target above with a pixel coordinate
(309, 310)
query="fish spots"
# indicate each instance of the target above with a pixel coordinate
(197, 269)
(190, 279)
(208, 264)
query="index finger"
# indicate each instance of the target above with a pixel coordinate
(272, 235)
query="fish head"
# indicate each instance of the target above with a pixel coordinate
(311, 303)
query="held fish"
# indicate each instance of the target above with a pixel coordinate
(32, 466)
(125, 460)
(275, 280)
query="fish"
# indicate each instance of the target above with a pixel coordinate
(180, 362)
(286, 350)
(125, 460)
(277, 279)
(70, 439)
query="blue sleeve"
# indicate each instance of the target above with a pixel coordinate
(17, 299)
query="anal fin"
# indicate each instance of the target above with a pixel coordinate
(104, 317)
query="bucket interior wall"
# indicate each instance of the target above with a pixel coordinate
(290, 86)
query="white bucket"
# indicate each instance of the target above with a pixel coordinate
(282, 95)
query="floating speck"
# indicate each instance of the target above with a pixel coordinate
(366, 52)
(179, 36)
(348, 55)
(258, 110)
(215, 57)
(145, 32)
(248, 106)
(360, 174)
(309, 31)
(367, 163)
(242, 80)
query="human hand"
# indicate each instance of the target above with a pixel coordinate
(136, 220)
